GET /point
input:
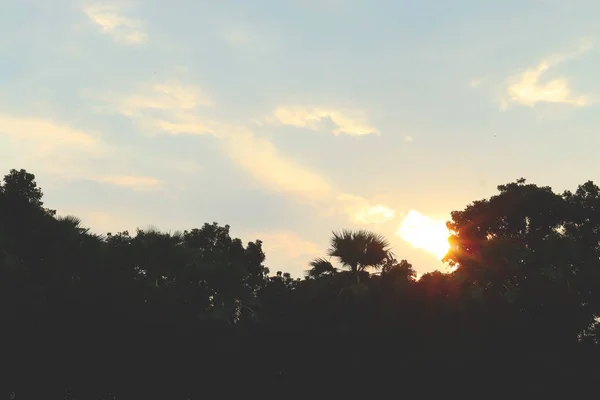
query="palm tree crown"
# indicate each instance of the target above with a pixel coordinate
(359, 250)
(320, 266)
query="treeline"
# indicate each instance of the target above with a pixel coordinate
(192, 314)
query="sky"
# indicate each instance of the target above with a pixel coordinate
(288, 119)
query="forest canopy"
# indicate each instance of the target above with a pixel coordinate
(151, 314)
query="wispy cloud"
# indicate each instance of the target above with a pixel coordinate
(174, 107)
(137, 183)
(55, 149)
(361, 211)
(526, 89)
(68, 154)
(170, 107)
(110, 19)
(45, 132)
(181, 124)
(177, 108)
(313, 118)
(261, 159)
(169, 96)
(45, 136)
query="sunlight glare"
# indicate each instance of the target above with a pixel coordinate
(425, 233)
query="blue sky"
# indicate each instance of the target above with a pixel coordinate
(288, 119)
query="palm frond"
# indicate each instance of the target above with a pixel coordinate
(73, 223)
(69, 220)
(320, 266)
(359, 249)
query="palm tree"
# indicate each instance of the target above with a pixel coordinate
(359, 250)
(320, 267)
(71, 224)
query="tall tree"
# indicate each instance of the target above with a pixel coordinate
(517, 250)
(359, 250)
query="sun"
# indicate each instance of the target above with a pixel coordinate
(425, 233)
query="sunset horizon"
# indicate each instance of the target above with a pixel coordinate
(318, 115)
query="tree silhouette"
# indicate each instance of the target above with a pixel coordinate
(320, 267)
(189, 314)
(359, 250)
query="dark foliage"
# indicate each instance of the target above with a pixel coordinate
(194, 314)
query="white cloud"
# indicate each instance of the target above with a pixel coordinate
(408, 138)
(526, 89)
(137, 183)
(181, 124)
(362, 211)
(261, 159)
(167, 96)
(47, 147)
(170, 107)
(173, 107)
(311, 118)
(60, 153)
(110, 19)
(56, 150)
(46, 135)
(176, 108)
